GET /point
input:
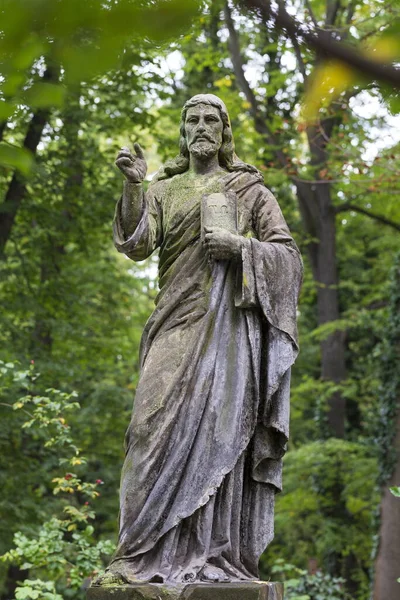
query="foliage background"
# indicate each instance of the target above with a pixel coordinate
(78, 81)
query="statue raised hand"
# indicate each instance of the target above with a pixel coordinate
(133, 166)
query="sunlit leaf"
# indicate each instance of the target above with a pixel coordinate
(224, 82)
(384, 48)
(328, 82)
(334, 77)
(394, 104)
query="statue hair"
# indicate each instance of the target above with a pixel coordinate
(226, 155)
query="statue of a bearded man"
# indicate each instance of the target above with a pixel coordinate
(210, 422)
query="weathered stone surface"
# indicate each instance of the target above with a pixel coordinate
(197, 591)
(210, 423)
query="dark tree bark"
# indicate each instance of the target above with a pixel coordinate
(14, 576)
(387, 565)
(3, 127)
(333, 367)
(17, 188)
(50, 267)
(326, 42)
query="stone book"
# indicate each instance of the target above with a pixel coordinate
(219, 210)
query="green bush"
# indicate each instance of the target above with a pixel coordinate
(62, 552)
(299, 585)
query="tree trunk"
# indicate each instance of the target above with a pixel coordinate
(14, 576)
(387, 566)
(42, 335)
(17, 188)
(333, 366)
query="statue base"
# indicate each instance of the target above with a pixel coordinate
(246, 590)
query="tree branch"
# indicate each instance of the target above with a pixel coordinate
(237, 61)
(324, 43)
(299, 59)
(260, 123)
(332, 7)
(372, 215)
(311, 13)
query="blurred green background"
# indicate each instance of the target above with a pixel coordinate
(78, 80)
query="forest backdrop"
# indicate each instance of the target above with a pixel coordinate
(311, 87)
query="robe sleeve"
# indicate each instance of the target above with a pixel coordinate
(269, 278)
(270, 273)
(148, 233)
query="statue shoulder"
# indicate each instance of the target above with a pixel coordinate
(244, 182)
(158, 187)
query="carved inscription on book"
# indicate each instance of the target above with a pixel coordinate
(219, 210)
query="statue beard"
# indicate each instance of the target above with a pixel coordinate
(203, 149)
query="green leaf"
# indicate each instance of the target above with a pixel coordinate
(17, 158)
(6, 110)
(26, 592)
(394, 104)
(167, 18)
(45, 95)
(32, 48)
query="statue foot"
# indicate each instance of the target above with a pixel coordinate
(108, 579)
(213, 574)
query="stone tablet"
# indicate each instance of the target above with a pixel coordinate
(219, 210)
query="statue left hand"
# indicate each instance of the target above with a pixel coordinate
(221, 244)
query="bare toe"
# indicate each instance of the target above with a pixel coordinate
(213, 574)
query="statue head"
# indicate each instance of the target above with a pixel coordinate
(219, 139)
(202, 133)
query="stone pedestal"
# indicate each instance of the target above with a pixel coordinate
(252, 590)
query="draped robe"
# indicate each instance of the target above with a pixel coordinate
(211, 412)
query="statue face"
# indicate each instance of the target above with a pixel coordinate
(204, 128)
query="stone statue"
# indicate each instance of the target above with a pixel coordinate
(211, 413)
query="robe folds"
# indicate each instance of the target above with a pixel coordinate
(211, 414)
